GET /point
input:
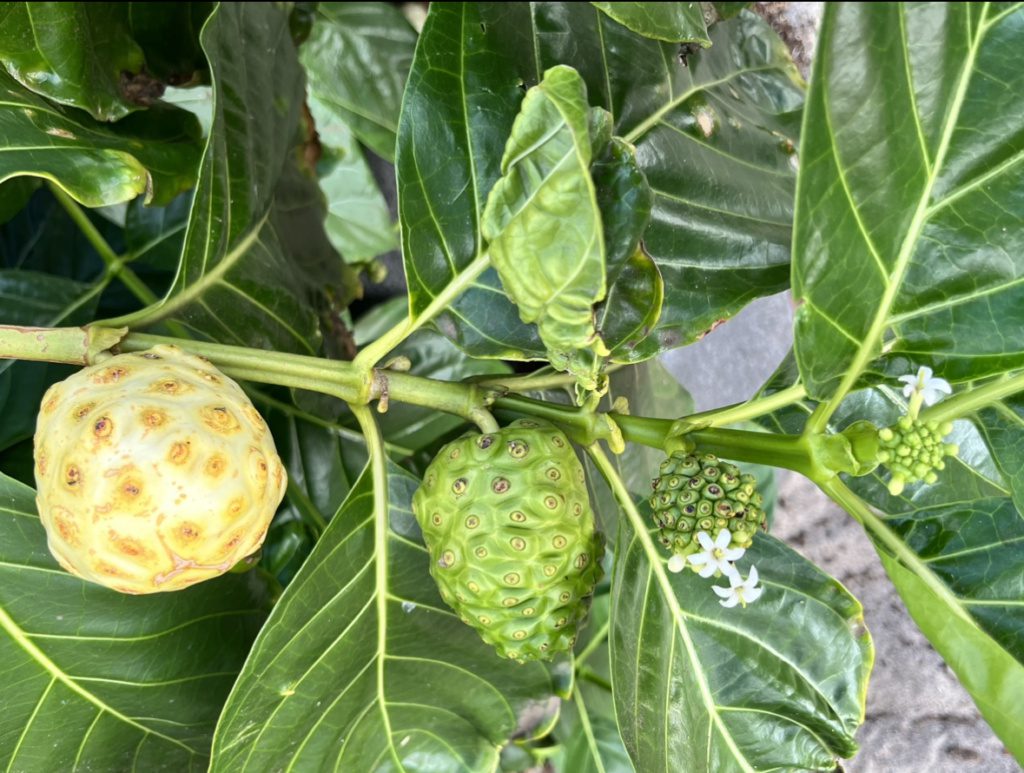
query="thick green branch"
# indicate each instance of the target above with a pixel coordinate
(68, 345)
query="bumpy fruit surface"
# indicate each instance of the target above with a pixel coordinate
(508, 524)
(702, 493)
(154, 472)
(913, 451)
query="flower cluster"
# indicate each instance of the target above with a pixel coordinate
(718, 558)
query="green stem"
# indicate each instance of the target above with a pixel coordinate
(338, 429)
(968, 402)
(594, 644)
(536, 382)
(381, 507)
(732, 414)
(376, 351)
(116, 265)
(588, 730)
(594, 678)
(306, 508)
(68, 345)
(110, 258)
(794, 452)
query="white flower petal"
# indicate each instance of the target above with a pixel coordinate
(699, 559)
(734, 554)
(705, 540)
(723, 539)
(911, 380)
(708, 570)
(730, 602)
(752, 577)
(908, 390)
(723, 592)
(752, 595)
(924, 373)
(676, 564)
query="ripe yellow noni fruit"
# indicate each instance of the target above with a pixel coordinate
(153, 472)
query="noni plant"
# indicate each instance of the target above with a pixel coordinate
(506, 541)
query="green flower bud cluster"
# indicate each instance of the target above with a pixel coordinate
(511, 535)
(702, 493)
(913, 451)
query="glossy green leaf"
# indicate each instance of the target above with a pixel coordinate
(1002, 425)
(457, 114)
(715, 140)
(635, 287)
(78, 54)
(155, 154)
(908, 243)
(780, 684)
(97, 680)
(363, 667)
(255, 214)
(357, 58)
(544, 225)
(671, 22)
(358, 221)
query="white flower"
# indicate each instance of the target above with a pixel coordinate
(676, 564)
(931, 388)
(717, 555)
(740, 591)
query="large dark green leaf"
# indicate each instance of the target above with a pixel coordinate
(357, 57)
(363, 667)
(908, 241)
(79, 54)
(672, 22)
(1002, 425)
(155, 154)
(715, 140)
(779, 684)
(544, 225)
(105, 58)
(255, 214)
(97, 680)
(457, 114)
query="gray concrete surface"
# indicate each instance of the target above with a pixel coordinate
(919, 718)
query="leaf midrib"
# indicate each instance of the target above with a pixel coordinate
(921, 215)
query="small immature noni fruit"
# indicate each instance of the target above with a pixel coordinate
(508, 524)
(913, 450)
(702, 493)
(153, 472)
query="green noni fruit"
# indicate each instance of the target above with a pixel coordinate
(510, 531)
(702, 493)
